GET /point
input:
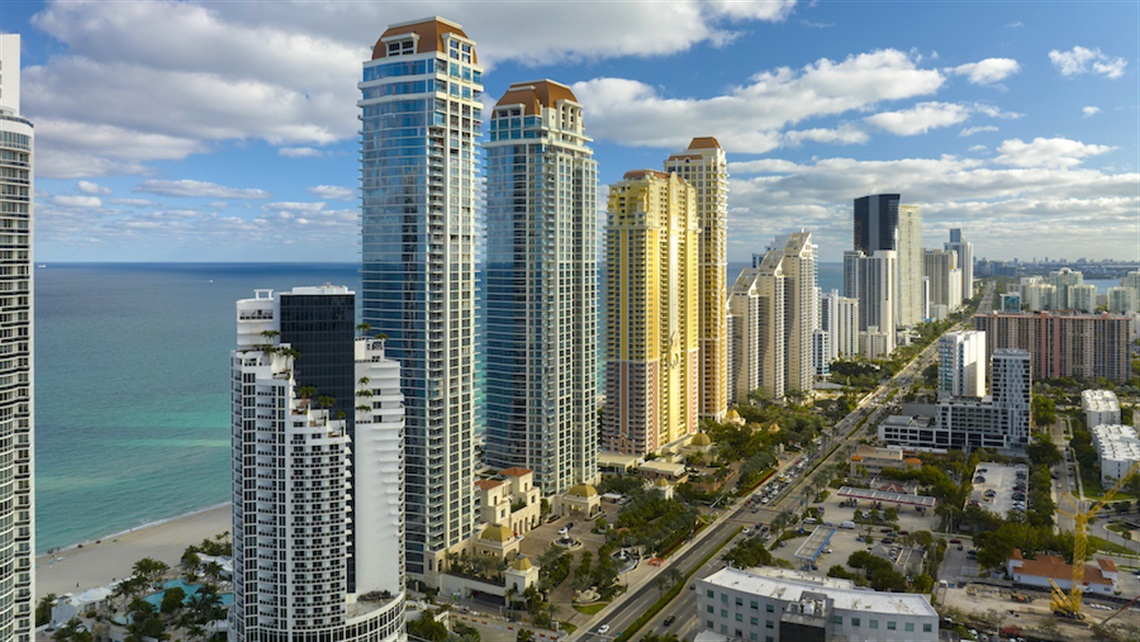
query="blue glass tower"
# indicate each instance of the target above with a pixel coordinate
(541, 287)
(420, 125)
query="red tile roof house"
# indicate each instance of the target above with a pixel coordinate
(1099, 578)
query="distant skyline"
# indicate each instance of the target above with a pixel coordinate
(226, 131)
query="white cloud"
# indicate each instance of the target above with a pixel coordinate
(333, 192)
(920, 119)
(299, 152)
(134, 202)
(1016, 25)
(977, 148)
(1047, 152)
(193, 188)
(773, 10)
(293, 207)
(751, 116)
(1076, 61)
(970, 131)
(988, 71)
(77, 201)
(846, 134)
(87, 187)
(1090, 110)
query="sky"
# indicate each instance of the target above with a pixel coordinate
(227, 131)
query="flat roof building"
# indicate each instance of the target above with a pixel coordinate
(1068, 344)
(1117, 448)
(771, 604)
(1100, 407)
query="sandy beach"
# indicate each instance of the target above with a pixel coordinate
(74, 570)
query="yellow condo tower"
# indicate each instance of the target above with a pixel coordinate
(704, 166)
(652, 293)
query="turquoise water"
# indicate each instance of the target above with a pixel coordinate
(131, 375)
(189, 589)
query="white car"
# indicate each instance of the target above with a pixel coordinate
(603, 629)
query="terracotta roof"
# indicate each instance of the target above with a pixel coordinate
(1107, 566)
(488, 484)
(642, 173)
(856, 457)
(430, 31)
(704, 142)
(536, 94)
(515, 472)
(912, 460)
(1055, 567)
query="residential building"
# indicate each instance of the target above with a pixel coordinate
(779, 605)
(872, 281)
(335, 513)
(839, 317)
(798, 259)
(1082, 298)
(541, 292)
(652, 291)
(1100, 407)
(821, 352)
(1063, 344)
(1063, 280)
(1117, 449)
(1122, 300)
(881, 223)
(962, 364)
(509, 498)
(421, 121)
(749, 314)
(704, 166)
(1011, 302)
(1038, 295)
(965, 251)
(997, 422)
(17, 449)
(941, 267)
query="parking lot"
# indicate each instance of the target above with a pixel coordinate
(1000, 488)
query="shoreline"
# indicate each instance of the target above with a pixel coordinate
(98, 562)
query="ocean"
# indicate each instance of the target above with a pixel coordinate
(131, 387)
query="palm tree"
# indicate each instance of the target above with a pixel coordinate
(306, 392)
(363, 328)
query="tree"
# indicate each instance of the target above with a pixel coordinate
(43, 609)
(73, 631)
(151, 570)
(427, 628)
(172, 600)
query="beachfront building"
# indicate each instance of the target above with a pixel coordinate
(17, 516)
(774, 605)
(651, 313)
(883, 224)
(871, 280)
(704, 166)
(1064, 344)
(421, 123)
(318, 513)
(541, 292)
(839, 317)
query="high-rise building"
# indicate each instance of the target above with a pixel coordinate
(652, 234)
(1082, 346)
(962, 364)
(421, 117)
(881, 223)
(705, 167)
(317, 508)
(1122, 300)
(871, 280)
(750, 315)
(541, 293)
(797, 257)
(839, 317)
(1064, 279)
(965, 251)
(17, 514)
(941, 268)
(1037, 294)
(1082, 298)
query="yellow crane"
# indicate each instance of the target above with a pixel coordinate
(1070, 605)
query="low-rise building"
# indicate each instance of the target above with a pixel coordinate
(1100, 407)
(1100, 578)
(1117, 448)
(509, 498)
(771, 604)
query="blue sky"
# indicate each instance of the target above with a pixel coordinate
(226, 131)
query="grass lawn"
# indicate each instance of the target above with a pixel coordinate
(591, 609)
(1104, 546)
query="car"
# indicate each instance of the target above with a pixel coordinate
(960, 547)
(570, 525)
(783, 543)
(955, 541)
(603, 629)
(888, 540)
(670, 620)
(885, 530)
(746, 531)
(1136, 572)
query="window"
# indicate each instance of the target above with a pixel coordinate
(909, 627)
(927, 628)
(724, 598)
(837, 619)
(769, 608)
(855, 621)
(874, 624)
(739, 617)
(710, 609)
(755, 605)
(768, 624)
(740, 601)
(724, 613)
(709, 593)
(891, 625)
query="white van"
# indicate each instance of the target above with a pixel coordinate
(847, 524)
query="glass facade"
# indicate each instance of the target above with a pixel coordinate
(420, 124)
(541, 340)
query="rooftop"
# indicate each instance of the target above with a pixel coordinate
(1099, 401)
(1054, 566)
(430, 32)
(786, 585)
(536, 94)
(515, 471)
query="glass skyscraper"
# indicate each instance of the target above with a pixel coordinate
(541, 287)
(420, 125)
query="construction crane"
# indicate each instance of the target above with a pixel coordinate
(1070, 605)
